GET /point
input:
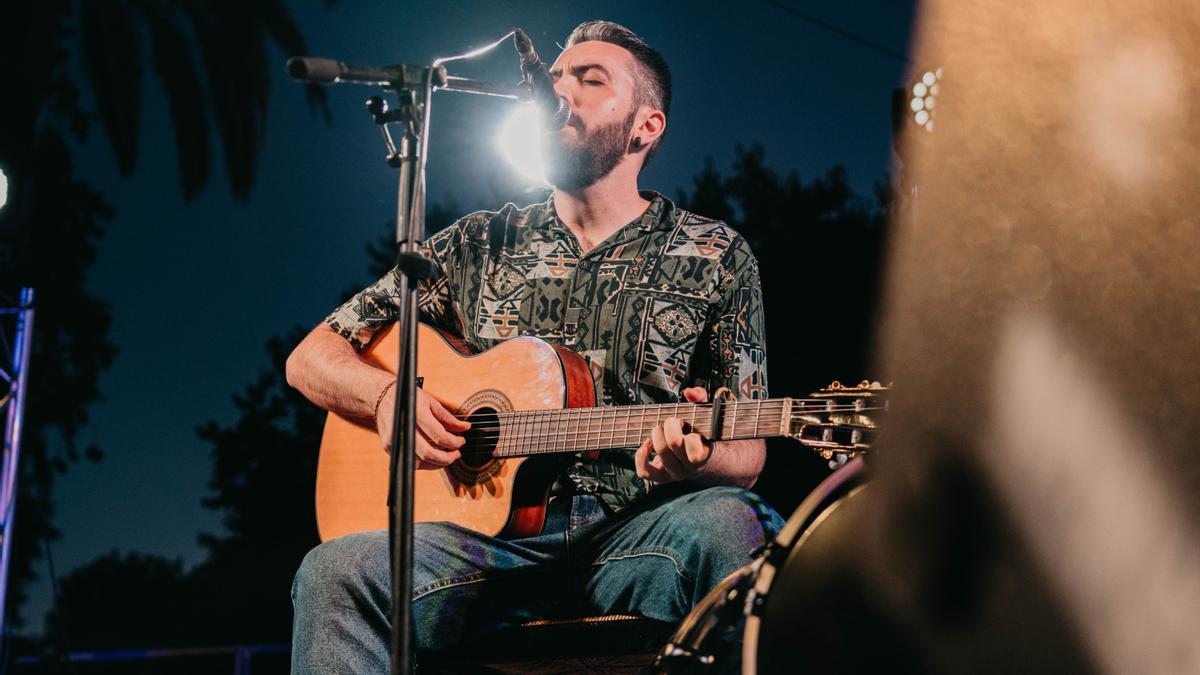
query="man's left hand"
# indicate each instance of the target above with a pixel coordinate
(670, 455)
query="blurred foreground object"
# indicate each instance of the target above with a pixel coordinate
(1037, 496)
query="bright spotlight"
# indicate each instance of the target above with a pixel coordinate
(520, 142)
(924, 98)
(3, 189)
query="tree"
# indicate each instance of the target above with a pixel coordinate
(820, 247)
(49, 229)
(263, 482)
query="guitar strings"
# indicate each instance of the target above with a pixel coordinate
(706, 405)
(572, 438)
(555, 418)
(501, 420)
(547, 440)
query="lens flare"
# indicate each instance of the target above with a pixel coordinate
(520, 142)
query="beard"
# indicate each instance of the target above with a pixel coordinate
(571, 165)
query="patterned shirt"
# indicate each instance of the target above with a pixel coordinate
(669, 301)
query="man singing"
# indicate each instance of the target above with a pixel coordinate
(663, 304)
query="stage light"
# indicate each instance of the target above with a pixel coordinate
(924, 98)
(520, 142)
(3, 189)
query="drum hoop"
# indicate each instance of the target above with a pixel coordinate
(819, 505)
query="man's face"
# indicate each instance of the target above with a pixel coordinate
(597, 80)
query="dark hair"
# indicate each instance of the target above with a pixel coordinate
(652, 82)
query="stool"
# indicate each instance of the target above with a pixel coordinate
(608, 643)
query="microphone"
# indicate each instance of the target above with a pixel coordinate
(555, 111)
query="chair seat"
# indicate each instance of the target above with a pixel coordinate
(607, 643)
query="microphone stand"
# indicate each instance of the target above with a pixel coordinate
(414, 85)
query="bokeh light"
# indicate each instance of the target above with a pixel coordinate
(924, 98)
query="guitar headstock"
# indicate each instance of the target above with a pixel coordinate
(839, 422)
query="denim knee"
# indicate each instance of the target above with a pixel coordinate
(731, 523)
(735, 511)
(354, 562)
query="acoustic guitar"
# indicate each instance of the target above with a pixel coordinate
(528, 401)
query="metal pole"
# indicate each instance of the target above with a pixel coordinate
(10, 464)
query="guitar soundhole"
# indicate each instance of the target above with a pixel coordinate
(481, 438)
(478, 464)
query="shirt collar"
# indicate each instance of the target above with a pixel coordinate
(660, 215)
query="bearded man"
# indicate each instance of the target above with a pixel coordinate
(663, 304)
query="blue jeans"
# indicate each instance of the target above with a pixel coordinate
(657, 561)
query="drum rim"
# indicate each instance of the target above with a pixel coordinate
(816, 507)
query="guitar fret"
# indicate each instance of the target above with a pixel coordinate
(585, 424)
(641, 426)
(611, 416)
(562, 434)
(733, 424)
(542, 435)
(633, 428)
(557, 430)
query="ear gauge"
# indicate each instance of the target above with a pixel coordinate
(637, 142)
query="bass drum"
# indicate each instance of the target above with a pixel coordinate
(777, 603)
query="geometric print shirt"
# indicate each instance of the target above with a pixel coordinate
(669, 301)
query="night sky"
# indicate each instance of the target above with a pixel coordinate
(196, 289)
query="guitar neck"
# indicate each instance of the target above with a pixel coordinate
(537, 432)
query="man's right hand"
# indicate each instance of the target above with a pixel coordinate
(438, 430)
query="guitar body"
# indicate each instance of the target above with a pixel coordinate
(504, 497)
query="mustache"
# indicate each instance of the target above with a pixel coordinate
(575, 123)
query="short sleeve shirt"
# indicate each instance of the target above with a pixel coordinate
(669, 301)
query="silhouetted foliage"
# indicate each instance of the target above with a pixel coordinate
(49, 229)
(263, 482)
(115, 596)
(212, 61)
(819, 247)
(70, 346)
(138, 602)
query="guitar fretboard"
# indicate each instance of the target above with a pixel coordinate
(535, 432)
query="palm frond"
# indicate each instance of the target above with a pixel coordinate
(112, 61)
(171, 54)
(284, 32)
(233, 52)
